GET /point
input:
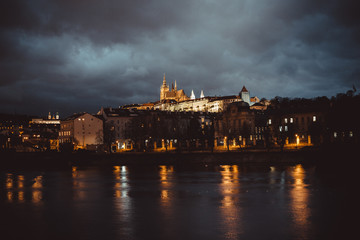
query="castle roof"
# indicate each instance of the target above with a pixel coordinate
(244, 89)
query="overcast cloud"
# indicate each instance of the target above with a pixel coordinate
(71, 56)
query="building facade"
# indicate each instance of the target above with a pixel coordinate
(235, 127)
(117, 124)
(83, 130)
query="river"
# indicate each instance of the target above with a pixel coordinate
(170, 202)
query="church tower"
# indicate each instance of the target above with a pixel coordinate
(163, 89)
(245, 95)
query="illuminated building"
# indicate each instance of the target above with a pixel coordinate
(172, 94)
(117, 124)
(235, 127)
(83, 130)
(176, 100)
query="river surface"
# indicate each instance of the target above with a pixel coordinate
(170, 202)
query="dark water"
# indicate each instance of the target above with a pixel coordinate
(170, 202)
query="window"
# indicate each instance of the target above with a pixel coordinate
(285, 120)
(280, 128)
(269, 121)
(291, 120)
(314, 118)
(286, 128)
(335, 134)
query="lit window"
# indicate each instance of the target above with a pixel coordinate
(314, 118)
(351, 134)
(291, 120)
(286, 128)
(280, 128)
(269, 121)
(285, 120)
(335, 134)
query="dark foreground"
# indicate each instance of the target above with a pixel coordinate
(227, 196)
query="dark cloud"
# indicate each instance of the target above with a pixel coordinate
(71, 56)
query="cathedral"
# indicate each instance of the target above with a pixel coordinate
(172, 94)
(176, 100)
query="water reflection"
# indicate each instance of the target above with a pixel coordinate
(16, 187)
(230, 206)
(122, 200)
(37, 190)
(299, 201)
(166, 173)
(121, 181)
(78, 184)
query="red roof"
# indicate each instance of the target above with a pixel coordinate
(244, 89)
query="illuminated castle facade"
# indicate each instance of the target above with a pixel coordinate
(172, 94)
(176, 100)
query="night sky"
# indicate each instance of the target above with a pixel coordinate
(71, 56)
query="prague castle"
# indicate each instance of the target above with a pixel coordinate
(173, 94)
(176, 100)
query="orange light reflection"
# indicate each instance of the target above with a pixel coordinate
(299, 200)
(230, 208)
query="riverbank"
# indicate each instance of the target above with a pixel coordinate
(324, 156)
(64, 160)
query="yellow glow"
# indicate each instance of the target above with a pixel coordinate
(230, 210)
(21, 196)
(165, 174)
(9, 196)
(164, 194)
(36, 196)
(37, 182)
(21, 180)
(74, 172)
(299, 199)
(9, 181)
(37, 193)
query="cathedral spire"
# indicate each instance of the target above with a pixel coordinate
(192, 95)
(202, 94)
(164, 80)
(175, 86)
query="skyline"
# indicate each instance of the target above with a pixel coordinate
(81, 55)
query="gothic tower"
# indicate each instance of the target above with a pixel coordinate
(163, 89)
(245, 95)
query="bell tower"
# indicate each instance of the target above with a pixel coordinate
(163, 89)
